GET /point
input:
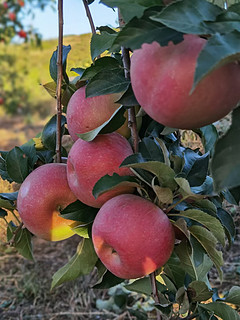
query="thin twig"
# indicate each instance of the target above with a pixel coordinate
(59, 80)
(89, 16)
(132, 123)
(155, 292)
(15, 232)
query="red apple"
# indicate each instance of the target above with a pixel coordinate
(163, 86)
(132, 236)
(21, 3)
(22, 34)
(85, 114)
(89, 161)
(42, 194)
(1, 100)
(12, 16)
(5, 5)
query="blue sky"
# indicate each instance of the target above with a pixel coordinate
(75, 20)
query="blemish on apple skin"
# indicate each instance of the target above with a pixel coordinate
(25, 189)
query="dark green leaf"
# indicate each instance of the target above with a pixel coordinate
(106, 82)
(144, 286)
(107, 281)
(112, 124)
(233, 296)
(101, 42)
(139, 31)
(189, 16)
(206, 188)
(228, 223)
(53, 63)
(219, 49)
(225, 164)
(209, 136)
(82, 263)
(150, 149)
(22, 241)
(3, 213)
(128, 99)
(210, 222)
(208, 242)
(174, 270)
(108, 182)
(49, 132)
(184, 252)
(196, 167)
(199, 291)
(131, 8)
(79, 211)
(101, 64)
(17, 165)
(164, 173)
(221, 310)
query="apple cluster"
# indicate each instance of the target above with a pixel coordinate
(125, 223)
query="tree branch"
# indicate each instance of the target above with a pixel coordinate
(59, 80)
(89, 16)
(155, 292)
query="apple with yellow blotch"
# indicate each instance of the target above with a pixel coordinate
(132, 236)
(42, 195)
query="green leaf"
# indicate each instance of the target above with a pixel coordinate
(51, 88)
(79, 211)
(22, 241)
(233, 296)
(143, 285)
(107, 281)
(210, 222)
(106, 82)
(82, 231)
(108, 182)
(208, 242)
(79, 71)
(228, 224)
(82, 263)
(163, 172)
(7, 200)
(128, 99)
(183, 300)
(17, 165)
(101, 64)
(195, 167)
(164, 195)
(199, 291)
(181, 224)
(189, 16)
(131, 8)
(3, 213)
(112, 124)
(184, 252)
(225, 164)
(219, 50)
(185, 189)
(53, 63)
(139, 31)
(175, 271)
(49, 132)
(221, 310)
(209, 136)
(101, 42)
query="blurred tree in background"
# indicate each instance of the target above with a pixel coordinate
(13, 95)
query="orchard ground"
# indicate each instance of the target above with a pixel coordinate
(25, 285)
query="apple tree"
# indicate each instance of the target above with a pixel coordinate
(150, 211)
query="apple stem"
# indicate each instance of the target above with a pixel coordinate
(89, 16)
(59, 80)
